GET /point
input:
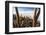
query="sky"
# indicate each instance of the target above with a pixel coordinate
(25, 9)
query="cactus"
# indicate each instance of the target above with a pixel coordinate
(36, 15)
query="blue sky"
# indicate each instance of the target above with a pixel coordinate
(25, 9)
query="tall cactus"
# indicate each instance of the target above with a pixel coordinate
(36, 15)
(17, 16)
